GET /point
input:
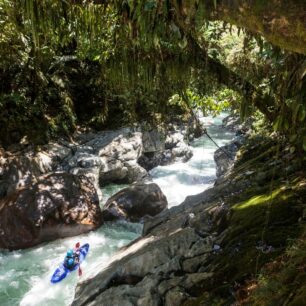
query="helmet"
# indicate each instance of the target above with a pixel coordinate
(70, 262)
(70, 253)
(77, 245)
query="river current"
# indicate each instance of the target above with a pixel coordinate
(25, 274)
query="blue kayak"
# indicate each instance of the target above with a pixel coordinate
(61, 272)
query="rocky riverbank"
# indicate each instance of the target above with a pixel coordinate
(204, 251)
(54, 191)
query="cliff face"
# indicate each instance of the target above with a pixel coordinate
(205, 250)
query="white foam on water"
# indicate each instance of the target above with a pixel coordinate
(179, 180)
(103, 243)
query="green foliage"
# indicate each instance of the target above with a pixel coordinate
(213, 104)
(145, 53)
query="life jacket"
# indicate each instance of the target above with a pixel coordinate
(66, 262)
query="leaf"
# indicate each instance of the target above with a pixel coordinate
(304, 143)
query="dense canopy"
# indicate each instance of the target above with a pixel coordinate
(94, 59)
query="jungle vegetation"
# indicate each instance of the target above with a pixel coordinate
(105, 64)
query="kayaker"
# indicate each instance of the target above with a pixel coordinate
(73, 258)
(69, 261)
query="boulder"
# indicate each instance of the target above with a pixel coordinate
(22, 169)
(118, 157)
(120, 172)
(150, 160)
(173, 139)
(153, 141)
(52, 155)
(181, 152)
(225, 156)
(134, 203)
(124, 147)
(57, 205)
(175, 150)
(108, 157)
(233, 123)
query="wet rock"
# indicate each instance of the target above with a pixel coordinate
(173, 139)
(20, 171)
(234, 123)
(225, 156)
(125, 147)
(191, 265)
(175, 297)
(135, 202)
(175, 150)
(23, 168)
(150, 160)
(58, 205)
(153, 141)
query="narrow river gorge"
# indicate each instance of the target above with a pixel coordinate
(25, 274)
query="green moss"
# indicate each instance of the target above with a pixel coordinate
(258, 200)
(256, 223)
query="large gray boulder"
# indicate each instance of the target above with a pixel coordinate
(23, 168)
(153, 141)
(134, 203)
(175, 150)
(233, 123)
(58, 205)
(108, 157)
(115, 154)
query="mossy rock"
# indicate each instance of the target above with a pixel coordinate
(265, 218)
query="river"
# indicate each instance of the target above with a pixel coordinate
(25, 274)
